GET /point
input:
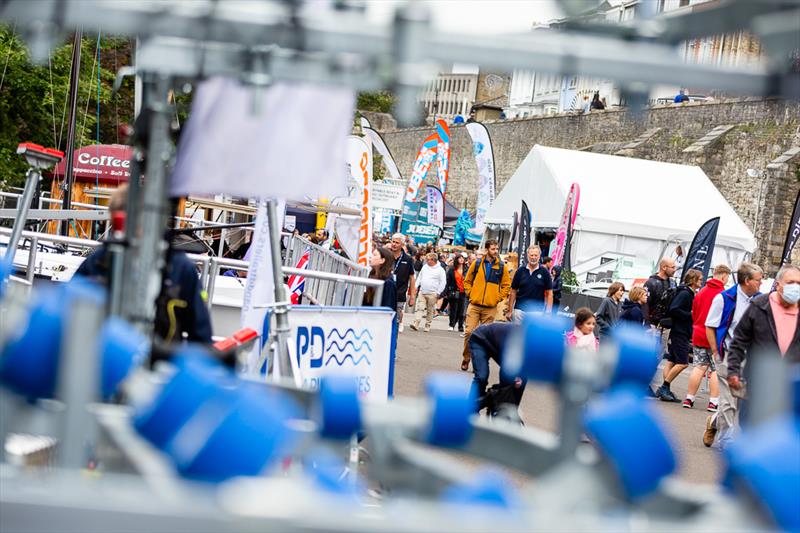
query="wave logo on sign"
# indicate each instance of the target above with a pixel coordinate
(477, 148)
(336, 348)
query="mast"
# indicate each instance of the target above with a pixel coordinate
(74, 78)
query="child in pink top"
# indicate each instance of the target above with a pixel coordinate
(582, 335)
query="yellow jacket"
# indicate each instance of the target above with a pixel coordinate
(487, 290)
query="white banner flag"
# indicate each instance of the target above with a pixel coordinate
(482, 148)
(286, 141)
(435, 206)
(380, 146)
(260, 287)
(359, 161)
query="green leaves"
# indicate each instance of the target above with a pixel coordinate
(33, 98)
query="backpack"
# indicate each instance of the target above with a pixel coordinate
(497, 396)
(475, 271)
(660, 313)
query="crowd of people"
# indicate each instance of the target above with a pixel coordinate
(704, 325)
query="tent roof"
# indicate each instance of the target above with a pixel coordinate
(619, 195)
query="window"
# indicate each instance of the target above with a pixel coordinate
(683, 3)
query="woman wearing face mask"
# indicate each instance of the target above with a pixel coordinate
(771, 323)
(608, 312)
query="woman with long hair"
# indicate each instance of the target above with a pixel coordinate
(382, 263)
(607, 314)
(455, 292)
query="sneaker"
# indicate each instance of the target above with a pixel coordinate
(709, 433)
(688, 404)
(666, 395)
(651, 393)
(712, 407)
(463, 335)
(672, 397)
(400, 328)
(414, 327)
(427, 329)
(451, 328)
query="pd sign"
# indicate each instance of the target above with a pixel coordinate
(351, 341)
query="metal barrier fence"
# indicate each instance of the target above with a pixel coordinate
(325, 291)
(329, 277)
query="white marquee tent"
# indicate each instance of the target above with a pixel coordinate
(628, 207)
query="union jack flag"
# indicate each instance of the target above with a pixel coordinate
(297, 282)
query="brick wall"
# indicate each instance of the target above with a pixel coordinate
(762, 131)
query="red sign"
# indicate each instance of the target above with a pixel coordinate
(106, 163)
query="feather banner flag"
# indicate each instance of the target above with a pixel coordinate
(559, 247)
(380, 146)
(484, 158)
(435, 206)
(425, 156)
(702, 249)
(443, 155)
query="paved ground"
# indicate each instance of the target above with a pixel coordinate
(420, 353)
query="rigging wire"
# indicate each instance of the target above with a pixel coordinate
(116, 108)
(88, 93)
(52, 97)
(8, 56)
(64, 111)
(97, 135)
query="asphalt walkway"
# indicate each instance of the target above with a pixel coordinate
(419, 354)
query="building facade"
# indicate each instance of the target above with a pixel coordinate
(537, 93)
(449, 95)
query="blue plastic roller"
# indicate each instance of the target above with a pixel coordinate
(487, 488)
(29, 361)
(238, 432)
(638, 356)
(765, 461)
(123, 347)
(196, 381)
(543, 347)
(339, 413)
(631, 437)
(453, 405)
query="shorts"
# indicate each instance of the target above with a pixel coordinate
(677, 350)
(703, 357)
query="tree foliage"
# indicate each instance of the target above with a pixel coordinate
(33, 98)
(380, 101)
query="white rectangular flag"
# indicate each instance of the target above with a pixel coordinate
(260, 288)
(285, 141)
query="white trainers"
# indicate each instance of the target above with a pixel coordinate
(451, 328)
(400, 328)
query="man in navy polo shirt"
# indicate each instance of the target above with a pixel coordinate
(531, 286)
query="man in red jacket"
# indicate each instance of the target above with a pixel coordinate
(702, 358)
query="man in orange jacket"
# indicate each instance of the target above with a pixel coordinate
(486, 283)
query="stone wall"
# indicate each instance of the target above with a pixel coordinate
(757, 133)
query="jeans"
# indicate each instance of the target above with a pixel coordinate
(480, 369)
